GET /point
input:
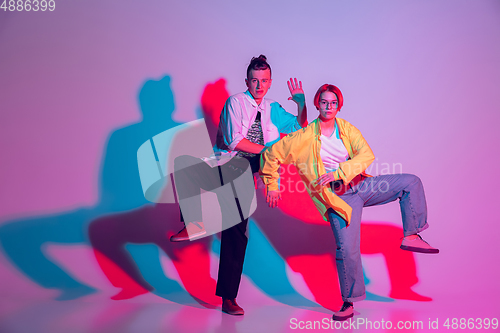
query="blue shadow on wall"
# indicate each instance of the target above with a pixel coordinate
(120, 190)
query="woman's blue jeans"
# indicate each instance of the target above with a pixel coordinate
(373, 191)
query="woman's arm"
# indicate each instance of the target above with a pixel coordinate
(362, 157)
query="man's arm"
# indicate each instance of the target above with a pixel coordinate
(249, 147)
(230, 128)
(298, 97)
(229, 132)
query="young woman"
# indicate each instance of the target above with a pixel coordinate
(332, 156)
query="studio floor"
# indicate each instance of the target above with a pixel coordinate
(153, 313)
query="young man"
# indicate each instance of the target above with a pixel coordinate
(332, 156)
(248, 124)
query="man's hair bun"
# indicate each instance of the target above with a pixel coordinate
(259, 63)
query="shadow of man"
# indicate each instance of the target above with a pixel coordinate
(126, 244)
(23, 240)
(138, 274)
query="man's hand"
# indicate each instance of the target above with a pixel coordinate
(296, 91)
(272, 198)
(325, 179)
(249, 147)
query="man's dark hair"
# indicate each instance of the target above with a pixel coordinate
(258, 64)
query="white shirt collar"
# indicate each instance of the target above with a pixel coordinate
(254, 103)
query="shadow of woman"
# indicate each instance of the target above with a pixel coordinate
(301, 237)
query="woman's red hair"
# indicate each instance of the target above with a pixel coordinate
(330, 88)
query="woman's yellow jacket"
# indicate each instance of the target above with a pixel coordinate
(302, 148)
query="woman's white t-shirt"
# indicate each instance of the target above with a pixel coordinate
(333, 151)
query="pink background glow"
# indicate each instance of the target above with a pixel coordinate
(419, 79)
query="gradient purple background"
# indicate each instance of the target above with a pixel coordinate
(418, 77)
